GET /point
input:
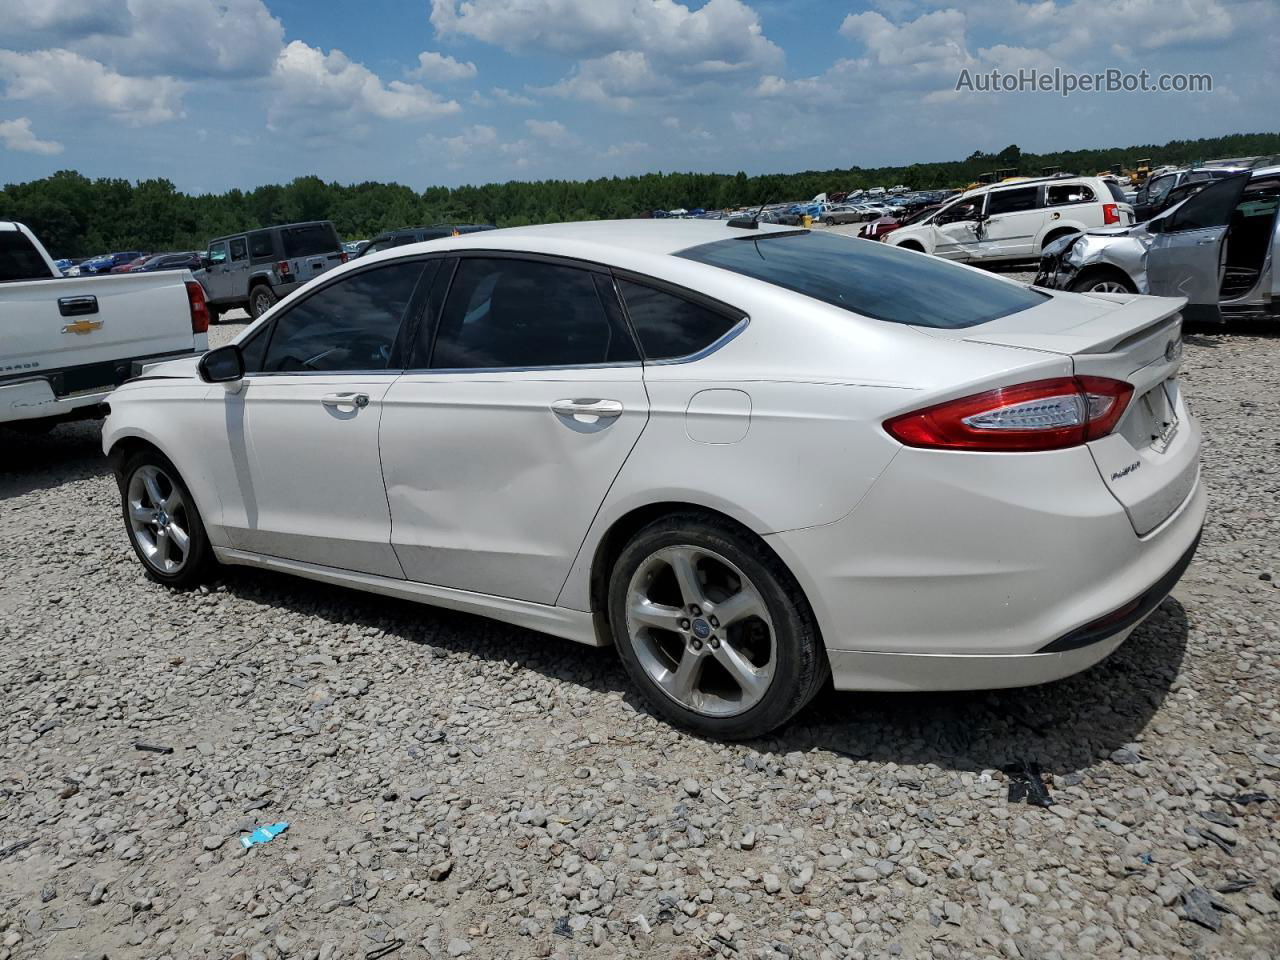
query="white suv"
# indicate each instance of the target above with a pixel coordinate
(1015, 221)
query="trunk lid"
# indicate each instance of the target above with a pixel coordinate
(1151, 461)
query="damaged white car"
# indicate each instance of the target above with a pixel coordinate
(1217, 248)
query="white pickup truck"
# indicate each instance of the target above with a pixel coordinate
(67, 342)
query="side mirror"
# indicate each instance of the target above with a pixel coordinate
(223, 365)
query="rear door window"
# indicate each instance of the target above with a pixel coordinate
(669, 326)
(504, 313)
(1060, 194)
(1013, 201)
(239, 249)
(260, 246)
(19, 259)
(871, 279)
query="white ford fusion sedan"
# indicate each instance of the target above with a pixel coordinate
(749, 457)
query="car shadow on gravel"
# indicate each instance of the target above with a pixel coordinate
(70, 452)
(1066, 726)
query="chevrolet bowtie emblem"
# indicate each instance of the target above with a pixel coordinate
(82, 326)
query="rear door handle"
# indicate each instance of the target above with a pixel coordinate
(1206, 241)
(359, 400)
(77, 306)
(587, 409)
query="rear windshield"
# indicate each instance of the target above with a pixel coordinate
(870, 278)
(310, 239)
(19, 260)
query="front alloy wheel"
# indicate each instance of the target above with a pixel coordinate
(159, 520)
(701, 631)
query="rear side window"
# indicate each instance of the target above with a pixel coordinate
(522, 313)
(872, 279)
(349, 325)
(1116, 193)
(19, 259)
(1058, 194)
(260, 245)
(1012, 201)
(310, 239)
(669, 326)
(239, 249)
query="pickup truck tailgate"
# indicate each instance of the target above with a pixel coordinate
(84, 328)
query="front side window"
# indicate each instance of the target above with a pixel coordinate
(870, 279)
(522, 313)
(960, 211)
(239, 249)
(349, 325)
(1058, 194)
(1013, 201)
(1159, 187)
(1211, 207)
(217, 253)
(669, 326)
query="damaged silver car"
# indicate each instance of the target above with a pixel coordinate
(1217, 248)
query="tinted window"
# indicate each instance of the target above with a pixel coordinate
(669, 326)
(1211, 207)
(961, 211)
(348, 325)
(518, 313)
(310, 239)
(1012, 201)
(19, 259)
(872, 279)
(260, 245)
(239, 249)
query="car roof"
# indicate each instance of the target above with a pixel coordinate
(656, 236)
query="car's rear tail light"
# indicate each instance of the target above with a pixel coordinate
(1042, 415)
(1110, 213)
(342, 257)
(199, 309)
(283, 268)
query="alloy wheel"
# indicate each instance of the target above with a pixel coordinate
(1108, 286)
(158, 519)
(261, 303)
(701, 630)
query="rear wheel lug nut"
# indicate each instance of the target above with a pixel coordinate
(684, 624)
(695, 609)
(715, 643)
(715, 622)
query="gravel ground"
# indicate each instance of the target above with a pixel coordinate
(476, 790)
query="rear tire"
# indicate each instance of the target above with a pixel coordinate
(162, 522)
(214, 316)
(261, 299)
(730, 679)
(830, 221)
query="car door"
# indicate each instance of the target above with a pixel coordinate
(955, 229)
(306, 479)
(498, 448)
(1013, 218)
(215, 280)
(236, 276)
(1186, 254)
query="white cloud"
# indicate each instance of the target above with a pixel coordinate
(64, 20)
(550, 131)
(17, 135)
(625, 149)
(328, 94)
(66, 78)
(511, 99)
(723, 31)
(439, 68)
(617, 80)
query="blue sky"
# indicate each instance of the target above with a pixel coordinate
(214, 94)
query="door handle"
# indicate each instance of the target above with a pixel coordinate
(601, 409)
(77, 306)
(1206, 241)
(359, 400)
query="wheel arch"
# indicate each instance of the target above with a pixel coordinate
(125, 444)
(1100, 270)
(620, 531)
(1059, 230)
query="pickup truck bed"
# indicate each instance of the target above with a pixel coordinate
(69, 341)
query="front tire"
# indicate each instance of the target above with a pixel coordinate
(713, 629)
(1103, 282)
(162, 521)
(261, 299)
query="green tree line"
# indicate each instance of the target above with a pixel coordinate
(76, 216)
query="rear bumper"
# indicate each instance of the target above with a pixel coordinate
(73, 391)
(973, 573)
